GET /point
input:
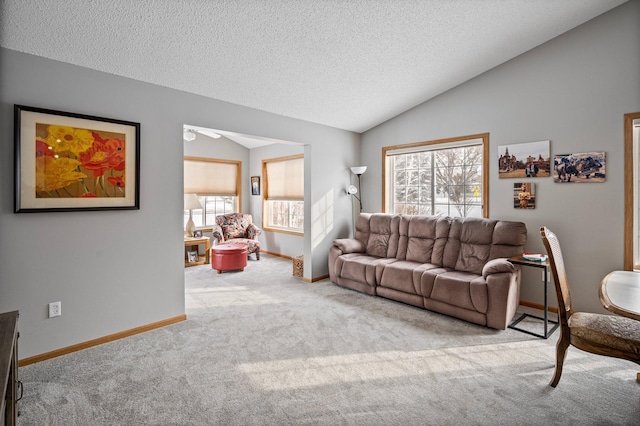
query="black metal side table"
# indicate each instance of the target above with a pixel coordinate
(518, 260)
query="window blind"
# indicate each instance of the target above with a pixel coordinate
(285, 179)
(210, 177)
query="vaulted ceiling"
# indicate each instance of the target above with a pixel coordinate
(346, 64)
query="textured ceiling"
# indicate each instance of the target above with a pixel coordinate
(347, 64)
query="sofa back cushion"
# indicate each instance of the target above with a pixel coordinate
(379, 233)
(473, 242)
(363, 228)
(474, 238)
(464, 244)
(508, 239)
(422, 239)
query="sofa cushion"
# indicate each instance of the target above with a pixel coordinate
(462, 289)
(508, 239)
(417, 238)
(383, 235)
(451, 249)
(363, 228)
(428, 279)
(443, 227)
(476, 237)
(404, 276)
(497, 266)
(349, 245)
(361, 267)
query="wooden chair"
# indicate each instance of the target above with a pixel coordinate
(608, 335)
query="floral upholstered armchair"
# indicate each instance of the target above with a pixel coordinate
(238, 228)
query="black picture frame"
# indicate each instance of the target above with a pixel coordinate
(197, 233)
(56, 169)
(255, 185)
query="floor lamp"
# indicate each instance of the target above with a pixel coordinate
(358, 171)
(191, 202)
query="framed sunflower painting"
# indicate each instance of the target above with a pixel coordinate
(69, 162)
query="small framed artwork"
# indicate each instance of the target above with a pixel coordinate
(524, 195)
(197, 233)
(255, 185)
(70, 162)
(192, 256)
(524, 160)
(584, 167)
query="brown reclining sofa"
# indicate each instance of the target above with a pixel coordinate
(454, 266)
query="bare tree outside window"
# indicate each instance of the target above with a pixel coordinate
(459, 178)
(286, 214)
(436, 181)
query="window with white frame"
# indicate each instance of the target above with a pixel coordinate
(283, 194)
(217, 184)
(444, 177)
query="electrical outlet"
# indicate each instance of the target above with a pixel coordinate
(55, 309)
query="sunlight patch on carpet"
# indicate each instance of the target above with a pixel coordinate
(477, 361)
(227, 296)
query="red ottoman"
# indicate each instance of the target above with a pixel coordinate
(229, 257)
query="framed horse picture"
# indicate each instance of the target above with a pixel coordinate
(584, 167)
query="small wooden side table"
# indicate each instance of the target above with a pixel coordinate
(518, 260)
(191, 242)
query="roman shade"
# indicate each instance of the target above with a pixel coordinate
(211, 177)
(285, 179)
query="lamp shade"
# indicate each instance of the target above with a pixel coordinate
(191, 202)
(358, 170)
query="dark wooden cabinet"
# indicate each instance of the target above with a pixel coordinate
(9, 368)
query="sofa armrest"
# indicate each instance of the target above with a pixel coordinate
(253, 231)
(497, 266)
(217, 233)
(349, 245)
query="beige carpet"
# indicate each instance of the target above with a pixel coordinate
(261, 347)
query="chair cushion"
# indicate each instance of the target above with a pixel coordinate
(610, 330)
(233, 230)
(252, 245)
(235, 225)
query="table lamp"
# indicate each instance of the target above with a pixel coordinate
(191, 202)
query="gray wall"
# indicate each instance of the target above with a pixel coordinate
(114, 271)
(574, 91)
